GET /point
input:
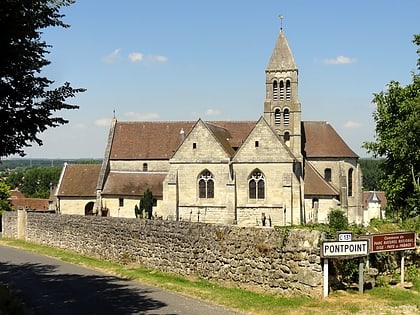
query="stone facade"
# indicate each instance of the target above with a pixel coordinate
(277, 261)
(275, 153)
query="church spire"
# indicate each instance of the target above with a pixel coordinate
(282, 57)
(281, 106)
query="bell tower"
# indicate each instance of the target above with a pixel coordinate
(281, 106)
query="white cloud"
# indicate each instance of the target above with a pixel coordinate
(103, 122)
(141, 116)
(157, 58)
(352, 125)
(212, 112)
(339, 60)
(135, 57)
(112, 57)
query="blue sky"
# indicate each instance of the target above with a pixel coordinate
(181, 60)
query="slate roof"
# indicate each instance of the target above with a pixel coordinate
(159, 140)
(320, 140)
(134, 184)
(79, 180)
(315, 184)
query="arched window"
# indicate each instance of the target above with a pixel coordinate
(145, 167)
(286, 137)
(286, 116)
(327, 174)
(281, 89)
(205, 185)
(256, 185)
(288, 91)
(277, 116)
(350, 183)
(275, 90)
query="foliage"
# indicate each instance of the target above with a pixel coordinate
(4, 197)
(398, 142)
(146, 203)
(413, 273)
(371, 169)
(411, 224)
(28, 100)
(137, 212)
(35, 182)
(337, 221)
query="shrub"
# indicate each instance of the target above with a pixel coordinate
(337, 221)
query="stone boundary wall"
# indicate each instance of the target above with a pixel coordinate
(274, 260)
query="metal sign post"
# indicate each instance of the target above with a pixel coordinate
(344, 248)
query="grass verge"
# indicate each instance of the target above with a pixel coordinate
(387, 300)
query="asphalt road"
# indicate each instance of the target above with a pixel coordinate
(51, 286)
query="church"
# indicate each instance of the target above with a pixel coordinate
(275, 171)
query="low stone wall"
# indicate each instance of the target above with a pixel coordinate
(281, 261)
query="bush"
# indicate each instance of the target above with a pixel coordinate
(337, 221)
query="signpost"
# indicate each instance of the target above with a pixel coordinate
(388, 242)
(346, 248)
(349, 248)
(392, 241)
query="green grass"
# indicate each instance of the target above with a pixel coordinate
(247, 301)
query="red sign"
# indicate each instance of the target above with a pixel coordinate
(392, 241)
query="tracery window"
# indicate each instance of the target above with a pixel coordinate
(256, 185)
(206, 185)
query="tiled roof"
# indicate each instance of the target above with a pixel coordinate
(134, 184)
(369, 196)
(321, 140)
(315, 184)
(159, 140)
(14, 193)
(147, 140)
(79, 180)
(29, 203)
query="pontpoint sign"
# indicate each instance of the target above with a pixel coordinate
(338, 249)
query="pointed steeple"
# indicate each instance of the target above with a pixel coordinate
(282, 57)
(281, 106)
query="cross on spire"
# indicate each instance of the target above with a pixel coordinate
(281, 21)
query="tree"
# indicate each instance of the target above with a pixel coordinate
(27, 99)
(146, 203)
(398, 141)
(4, 198)
(371, 169)
(35, 182)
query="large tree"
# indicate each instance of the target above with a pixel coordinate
(397, 140)
(27, 99)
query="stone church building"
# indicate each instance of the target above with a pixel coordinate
(277, 170)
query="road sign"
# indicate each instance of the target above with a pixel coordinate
(341, 249)
(392, 241)
(345, 236)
